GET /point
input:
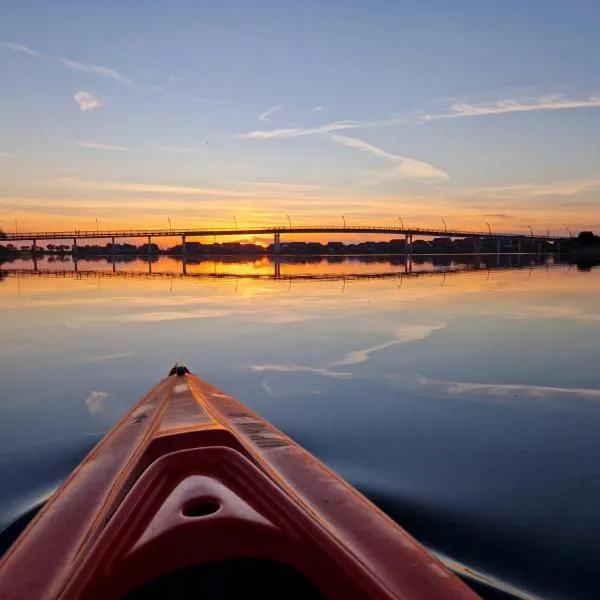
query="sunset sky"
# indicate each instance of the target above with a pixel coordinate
(133, 113)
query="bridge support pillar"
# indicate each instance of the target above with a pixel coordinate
(113, 247)
(74, 247)
(408, 242)
(183, 249)
(149, 245)
(277, 243)
(498, 246)
(519, 246)
(477, 245)
(277, 268)
(184, 266)
(33, 247)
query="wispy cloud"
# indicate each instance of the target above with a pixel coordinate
(278, 186)
(97, 146)
(539, 103)
(500, 216)
(534, 190)
(170, 148)
(404, 167)
(87, 100)
(23, 49)
(292, 132)
(266, 114)
(174, 79)
(363, 146)
(250, 190)
(98, 70)
(457, 110)
(6, 155)
(155, 188)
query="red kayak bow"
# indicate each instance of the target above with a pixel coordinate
(192, 495)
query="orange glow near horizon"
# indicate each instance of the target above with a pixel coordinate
(142, 206)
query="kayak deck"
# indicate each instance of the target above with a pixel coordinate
(192, 495)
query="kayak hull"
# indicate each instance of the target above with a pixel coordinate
(192, 489)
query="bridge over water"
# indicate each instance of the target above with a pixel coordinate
(276, 232)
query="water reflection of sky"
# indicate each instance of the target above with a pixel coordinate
(466, 405)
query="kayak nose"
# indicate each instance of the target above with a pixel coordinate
(179, 369)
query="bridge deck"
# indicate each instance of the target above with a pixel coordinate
(210, 232)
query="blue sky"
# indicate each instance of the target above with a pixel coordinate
(473, 110)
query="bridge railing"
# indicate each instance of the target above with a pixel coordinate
(199, 231)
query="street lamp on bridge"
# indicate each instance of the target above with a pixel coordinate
(235, 221)
(401, 222)
(344, 220)
(530, 230)
(489, 228)
(289, 220)
(97, 226)
(170, 226)
(569, 230)
(444, 222)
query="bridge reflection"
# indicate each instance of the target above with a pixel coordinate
(338, 268)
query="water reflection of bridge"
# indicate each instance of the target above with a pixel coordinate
(508, 262)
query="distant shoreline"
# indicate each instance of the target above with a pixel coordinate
(440, 245)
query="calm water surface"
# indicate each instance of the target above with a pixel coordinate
(464, 401)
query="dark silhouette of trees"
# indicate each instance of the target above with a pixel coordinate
(587, 238)
(6, 250)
